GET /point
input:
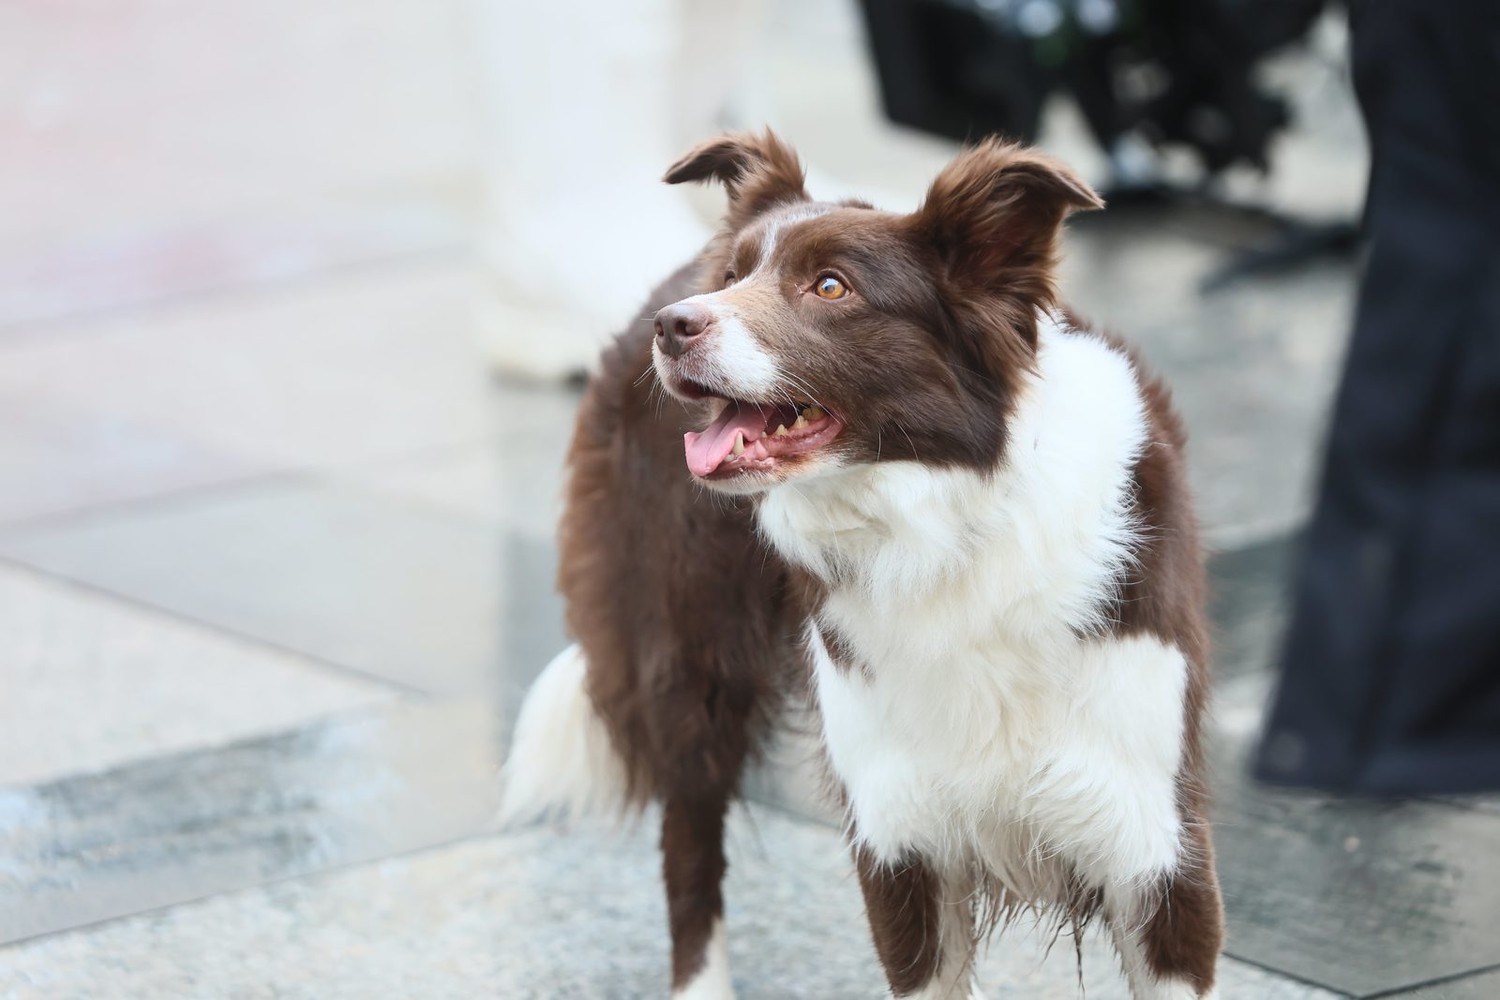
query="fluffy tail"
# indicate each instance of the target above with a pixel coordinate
(562, 760)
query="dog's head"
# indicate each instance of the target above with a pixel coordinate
(830, 335)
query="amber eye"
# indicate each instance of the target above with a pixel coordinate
(829, 287)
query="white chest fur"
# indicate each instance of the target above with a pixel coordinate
(985, 716)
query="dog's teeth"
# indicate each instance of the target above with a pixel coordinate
(739, 444)
(780, 431)
(799, 423)
(814, 413)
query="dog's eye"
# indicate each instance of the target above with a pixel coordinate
(829, 287)
(729, 278)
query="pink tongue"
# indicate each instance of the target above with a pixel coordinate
(707, 450)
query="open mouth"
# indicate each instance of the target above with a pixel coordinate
(755, 437)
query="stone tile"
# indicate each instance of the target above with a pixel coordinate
(374, 364)
(91, 683)
(515, 486)
(56, 459)
(170, 829)
(1484, 986)
(1248, 604)
(1360, 896)
(174, 115)
(1489, 802)
(538, 914)
(138, 268)
(515, 481)
(374, 584)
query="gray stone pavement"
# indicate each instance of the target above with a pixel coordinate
(276, 556)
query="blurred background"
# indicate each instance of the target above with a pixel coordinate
(293, 298)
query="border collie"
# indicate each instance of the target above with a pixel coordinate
(918, 486)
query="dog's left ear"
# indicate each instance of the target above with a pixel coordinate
(999, 207)
(758, 171)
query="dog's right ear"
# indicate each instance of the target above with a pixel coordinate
(758, 171)
(995, 211)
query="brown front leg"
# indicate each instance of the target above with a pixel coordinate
(692, 845)
(1169, 936)
(922, 925)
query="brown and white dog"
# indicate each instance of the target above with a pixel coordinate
(915, 480)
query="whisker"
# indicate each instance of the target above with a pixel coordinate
(798, 383)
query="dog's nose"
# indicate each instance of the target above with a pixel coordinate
(678, 324)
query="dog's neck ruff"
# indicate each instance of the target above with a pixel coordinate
(1050, 524)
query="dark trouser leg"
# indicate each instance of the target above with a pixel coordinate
(1391, 677)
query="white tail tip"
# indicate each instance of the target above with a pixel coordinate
(562, 761)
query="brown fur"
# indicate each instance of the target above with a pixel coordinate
(1186, 932)
(757, 171)
(690, 624)
(679, 610)
(1165, 596)
(904, 907)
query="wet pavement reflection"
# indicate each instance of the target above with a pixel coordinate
(166, 830)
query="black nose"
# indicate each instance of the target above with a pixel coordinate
(678, 324)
